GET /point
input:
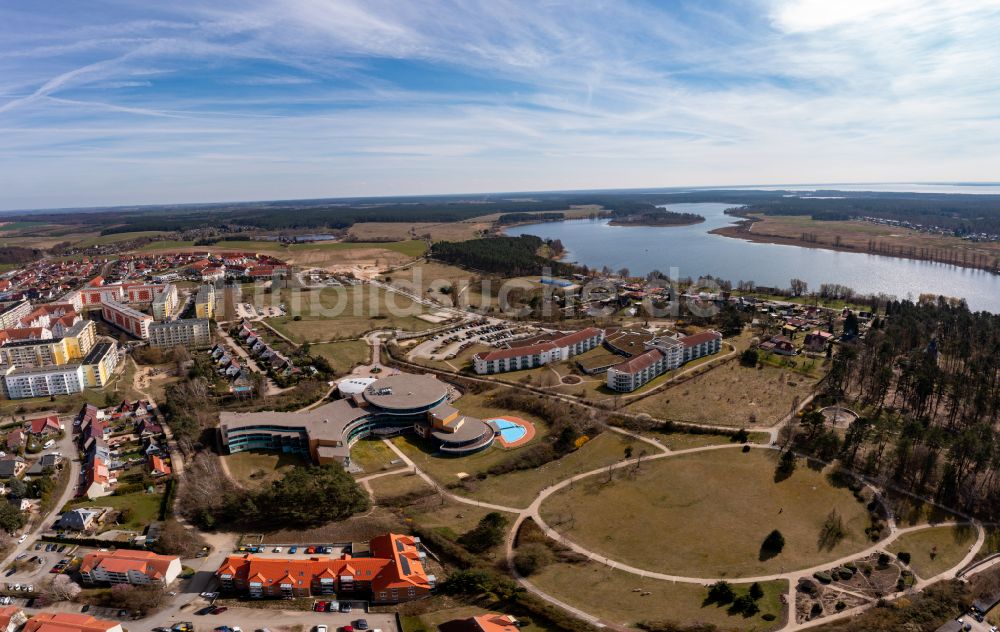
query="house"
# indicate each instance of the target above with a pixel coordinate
(780, 345)
(12, 618)
(482, 623)
(393, 573)
(43, 425)
(817, 341)
(47, 463)
(97, 479)
(82, 519)
(69, 622)
(158, 467)
(124, 566)
(149, 428)
(12, 467)
(16, 439)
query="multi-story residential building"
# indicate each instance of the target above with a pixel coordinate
(123, 566)
(69, 622)
(43, 381)
(80, 339)
(165, 302)
(35, 353)
(204, 302)
(661, 355)
(99, 365)
(528, 356)
(394, 573)
(126, 318)
(187, 332)
(12, 313)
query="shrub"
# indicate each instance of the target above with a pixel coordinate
(823, 577)
(531, 558)
(904, 557)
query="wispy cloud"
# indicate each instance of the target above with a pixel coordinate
(197, 100)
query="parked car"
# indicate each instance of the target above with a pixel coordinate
(345, 607)
(321, 606)
(219, 609)
(321, 628)
(38, 546)
(21, 539)
(276, 549)
(361, 624)
(205, 610)
(293, 549)
(209, 595)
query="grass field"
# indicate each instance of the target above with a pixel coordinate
(373, 456)
(515, 489)
(450, 519)
(717, 506)
(400, 231)
(256, 469)
(935, 550)
(387, 487)
(338, 255)
(730, 395)
(336, 313)
(343, 356)
(611, 595)
(145, 508)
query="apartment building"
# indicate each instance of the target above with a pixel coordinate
(204, 302)
(661, 355)
(123, 566)
(393, 573)
(99, 365)
(557, 349)
(44, 381)
(12, 313)
(126, 318)
(165, 303)
(188, 332)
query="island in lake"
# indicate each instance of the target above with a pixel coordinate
(659, 217)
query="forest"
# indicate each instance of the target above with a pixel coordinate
(512, 256)
(926, 383)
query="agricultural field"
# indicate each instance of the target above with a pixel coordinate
(437, 231)
(626, 599)
(331, 256)
(935, 550)
(718, 506)
(730, 395)
(336, 313)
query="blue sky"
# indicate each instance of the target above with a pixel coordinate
(125, 102)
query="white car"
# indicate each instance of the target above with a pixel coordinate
(320, 628)
(276, 549)
(21, 539)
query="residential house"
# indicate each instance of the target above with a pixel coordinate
(482, 623)
(158, 467)
(44, 425)
(817, 341)
(16, 440)
(12, 466)
(82, 519)
(124, 566)
(780, 345)
(97, 479)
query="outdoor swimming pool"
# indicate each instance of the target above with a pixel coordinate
(510, 432)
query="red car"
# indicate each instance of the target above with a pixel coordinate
(311, 550)
(220, 610)
(347, 628)
(321, 606)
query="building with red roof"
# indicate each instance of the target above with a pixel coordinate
(558, 349)
(43, 425)
(392, 574)
(661, 355)
(11, 618)
(69, 622)
(129, 567)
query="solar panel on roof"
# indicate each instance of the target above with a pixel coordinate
(405, 564)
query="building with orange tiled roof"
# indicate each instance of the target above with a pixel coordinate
(11, 618)
(556, 350)
(482, 623)
(129, 567)
(661, 355)
(394, 573)
(69, 622)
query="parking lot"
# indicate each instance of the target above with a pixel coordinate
(295, 551)
(36, 564)
(252, 619)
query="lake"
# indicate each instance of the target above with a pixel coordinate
(690, 251)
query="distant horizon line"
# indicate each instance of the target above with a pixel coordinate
(666, 189)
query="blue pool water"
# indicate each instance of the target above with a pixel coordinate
(509, 430)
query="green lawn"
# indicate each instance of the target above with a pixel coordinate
(935, 550)
(145, 508)
(621, 598)
(343, 356)
(411, 248)
(519, 488)
(337, 313)
(387, 487)
(716, 507)
(373, 456)
(255, 469)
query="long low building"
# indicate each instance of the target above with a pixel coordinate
(529, 356)
(124, 566)
(398, 403)
(661, 355)
(393, 573)
(127, 318)
(69, 622)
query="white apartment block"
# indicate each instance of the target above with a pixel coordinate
(661, 355)
(43, 381)
(529, 356)
(187, 332)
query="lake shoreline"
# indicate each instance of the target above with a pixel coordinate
(743, 230)
(656, 224)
